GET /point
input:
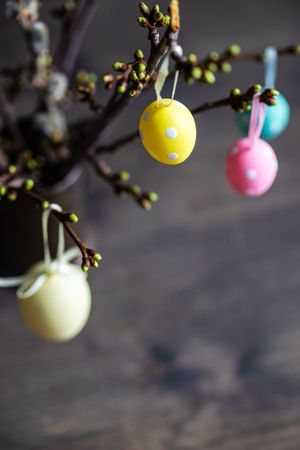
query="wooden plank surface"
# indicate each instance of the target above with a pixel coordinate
(193, 343)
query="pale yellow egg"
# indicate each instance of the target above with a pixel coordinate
(59, 310)
(168, 131)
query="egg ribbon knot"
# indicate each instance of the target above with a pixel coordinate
(257, 118)
(30, 284)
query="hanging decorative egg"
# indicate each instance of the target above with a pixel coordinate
(251, 169)
(276, 121)
(168, 131)
(60, 308)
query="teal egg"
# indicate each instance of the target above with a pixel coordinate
(276, 121)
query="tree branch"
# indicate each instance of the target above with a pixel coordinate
(239, 102)
(118, 143)
(203, 70)
(73, 35)
(259, 56)
(89, 257)
(118, 182)
(14, 185)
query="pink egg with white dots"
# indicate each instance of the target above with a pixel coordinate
(251, 169)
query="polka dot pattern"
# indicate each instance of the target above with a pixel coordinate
(251, 174)
(168, 131)
(172, 156)
(171, 133)
(251, 169)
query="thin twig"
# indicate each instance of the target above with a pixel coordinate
(113, 146)
(194, 68)
(9, 117)
(259, 56)
(88, 255)
(73, 37)
(236, 100)
(118, 181)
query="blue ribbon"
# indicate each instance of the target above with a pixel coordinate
(271, 63)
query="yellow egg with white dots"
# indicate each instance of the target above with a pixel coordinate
(168, 131)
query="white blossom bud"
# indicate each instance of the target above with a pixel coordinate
(39, 37)
(177, 51)
(57, 86)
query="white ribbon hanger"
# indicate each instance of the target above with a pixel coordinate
(31, 283)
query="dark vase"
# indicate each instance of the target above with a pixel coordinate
(20, 224)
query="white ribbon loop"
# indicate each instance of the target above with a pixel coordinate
(162, 77)
(30, 284)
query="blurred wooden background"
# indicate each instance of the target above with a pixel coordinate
(194, 340)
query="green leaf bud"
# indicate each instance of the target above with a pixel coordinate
(144, 9)
(192, 58)
(214, 56)
(97, 257)
(234, 50)
(257, 88)
(121, 88)
(142, 22)
(119, 66)
(235, 91)
(12, 196)
(197, 73)
(138, 54)
(45, 204)
(73, 218)
(212, 67)
(12, 169)
(3, 191)
(133, 76)
(108, 78)
(84, 268)
(29, 184)
(141, 75)
(158, 17)
(141, 67)
(153, 196)
(166, 20)
(226, 67)
(135, 188)
(124, 175)
(209, 77)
